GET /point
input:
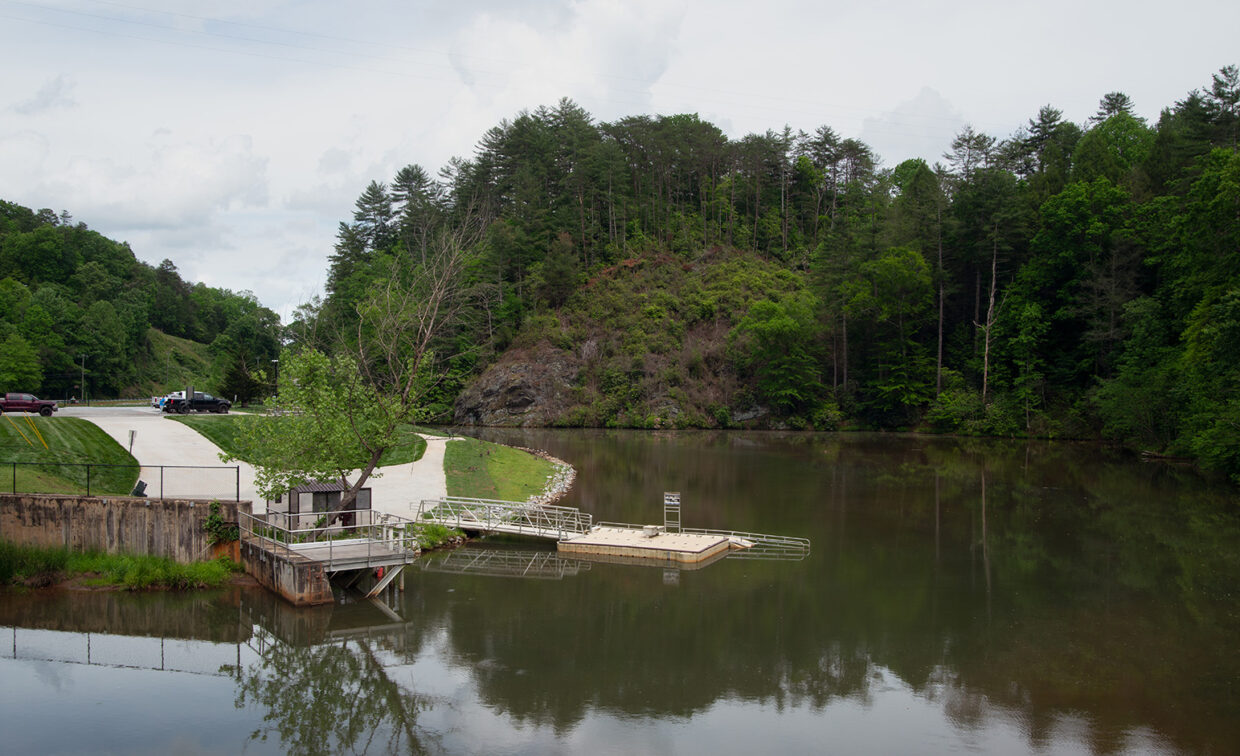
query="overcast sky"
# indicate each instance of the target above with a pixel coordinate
(232, 137)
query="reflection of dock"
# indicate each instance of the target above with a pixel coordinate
(518, 563)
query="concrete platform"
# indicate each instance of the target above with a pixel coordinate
(352, 554)
(634, 543)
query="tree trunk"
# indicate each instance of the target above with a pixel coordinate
(938, 368)
(349, 495)
(990, 319)
(844, 320)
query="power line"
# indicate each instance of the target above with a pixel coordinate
(719, 98)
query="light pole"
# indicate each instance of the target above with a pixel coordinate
(275, 382)
(83, 382)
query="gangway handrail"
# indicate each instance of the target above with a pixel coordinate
(513, 517)
(761, 542)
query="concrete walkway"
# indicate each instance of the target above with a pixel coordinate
(159, 440)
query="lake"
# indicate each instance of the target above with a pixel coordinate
(961, 595)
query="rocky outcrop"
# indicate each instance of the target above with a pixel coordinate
(526, 388)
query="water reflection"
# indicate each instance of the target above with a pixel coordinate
(961, 596)
(526, 563)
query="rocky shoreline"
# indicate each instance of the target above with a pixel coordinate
(559, 482)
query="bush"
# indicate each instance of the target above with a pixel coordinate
(25, 562)
(956, 410)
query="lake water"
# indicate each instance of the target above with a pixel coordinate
(961, 596)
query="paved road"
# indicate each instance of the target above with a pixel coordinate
(159, 440)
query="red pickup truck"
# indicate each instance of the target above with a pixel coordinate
(26, 403)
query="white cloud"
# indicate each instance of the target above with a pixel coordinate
(923, 127)
(234, 137)
(171, 185)
(54, 94)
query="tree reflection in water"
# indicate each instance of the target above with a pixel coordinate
(332, 698)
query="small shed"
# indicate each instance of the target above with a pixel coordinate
(303, 505)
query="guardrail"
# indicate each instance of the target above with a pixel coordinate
(377, 539)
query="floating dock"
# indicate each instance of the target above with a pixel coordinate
(647, 542)
(575, 533)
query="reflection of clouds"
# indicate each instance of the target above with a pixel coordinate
(51, 674)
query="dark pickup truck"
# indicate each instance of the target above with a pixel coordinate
(26, 403)
(200, 402)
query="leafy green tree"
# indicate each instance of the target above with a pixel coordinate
(559, 272)
(14, 296)
(1027, 383)
(103, 341)
(775, 341)
(1113, 150)
(337, 415)
(894, 293)
(330, 425)
(19, 365)
(242, 384)
(1143, 403)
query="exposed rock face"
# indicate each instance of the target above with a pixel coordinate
(525, 388)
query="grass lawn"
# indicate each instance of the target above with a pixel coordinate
(225, 432)
(482, 470)
(61, 466)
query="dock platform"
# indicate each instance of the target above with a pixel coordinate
(640, 543)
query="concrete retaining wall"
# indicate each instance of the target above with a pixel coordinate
(115, 524)
(301, 581)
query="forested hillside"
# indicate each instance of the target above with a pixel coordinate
(1065, 280)
(74, 303)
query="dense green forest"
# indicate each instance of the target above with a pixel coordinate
(74, 305)
(1065, 280)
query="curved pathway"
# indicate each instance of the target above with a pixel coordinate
(159, 440)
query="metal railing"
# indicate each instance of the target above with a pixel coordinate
(374, 539)
(752, 545)
(234, 469)
(514, 518)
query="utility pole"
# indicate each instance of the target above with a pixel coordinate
(83, 382)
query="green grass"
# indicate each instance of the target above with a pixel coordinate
(174, 363)
(19, 563)
(222, 430)
(225, 432)
(61, 465)
(483, 470)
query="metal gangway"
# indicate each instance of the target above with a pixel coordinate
(518, 563)
(511, 517)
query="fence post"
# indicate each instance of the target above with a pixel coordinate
(88, 479)
(14, 477)
(238, 482)
(161, 482)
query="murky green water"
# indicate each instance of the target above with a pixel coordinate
(960, 596)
